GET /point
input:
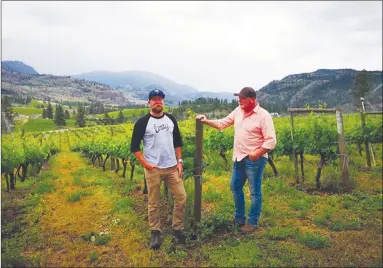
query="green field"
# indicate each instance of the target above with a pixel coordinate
(27, 110)
(37, 104)
(36, 125)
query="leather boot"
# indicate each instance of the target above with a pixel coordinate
(155, 242)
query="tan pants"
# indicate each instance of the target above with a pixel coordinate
(176, 186)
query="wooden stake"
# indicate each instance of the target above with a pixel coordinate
(342, 147)
(368, 157)
(198, 171)
(295, 157)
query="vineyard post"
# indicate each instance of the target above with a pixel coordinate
(295, 157)
(370, 145)
(342, 147)
(198, 171)
(368, 157)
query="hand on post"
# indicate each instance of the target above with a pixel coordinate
(202, 117)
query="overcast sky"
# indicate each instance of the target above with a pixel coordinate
(211, 46)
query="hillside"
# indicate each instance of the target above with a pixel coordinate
(51, 87)
(325, 85)
(132, 80)
(18, 67)
(332, 86)
(137, 84)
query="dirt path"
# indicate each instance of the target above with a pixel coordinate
(63, 223)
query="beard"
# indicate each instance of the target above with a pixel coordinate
(157, 109)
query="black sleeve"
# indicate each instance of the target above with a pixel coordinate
(177, 140)
(138, 133)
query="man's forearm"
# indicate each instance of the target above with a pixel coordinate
(212, 123)
(178, 153)
(140, 157)
(259, 152)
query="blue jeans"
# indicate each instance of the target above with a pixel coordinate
(253, 171)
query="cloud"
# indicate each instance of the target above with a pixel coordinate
(212, 46)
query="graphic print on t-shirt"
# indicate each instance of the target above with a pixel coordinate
(161, 127)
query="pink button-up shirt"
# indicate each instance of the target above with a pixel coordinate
(251, 131)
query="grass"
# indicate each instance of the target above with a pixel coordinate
(96, 238)
(314, 240)
(243, 254)
(297, 228)
(22, 210)
(93, 256)
(282, 233)
(28, 110)
(78, 181)
(75, 197)
(128, 188)
(40, 125)
(44, 187)
(211, 194)
(37, 104)
(123, 204)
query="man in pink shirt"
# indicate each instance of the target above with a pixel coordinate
(254, 137)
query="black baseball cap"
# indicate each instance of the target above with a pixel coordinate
(246, 92)
(156, 92)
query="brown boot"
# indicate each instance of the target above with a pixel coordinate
(247, 229)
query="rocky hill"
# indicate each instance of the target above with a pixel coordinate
(324, 85)
(51, 87)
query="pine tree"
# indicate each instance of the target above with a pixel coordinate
(66, 114)
(121, 117)
(44, 113)
(50, 111)
(361, 87)
(59, 116)
(107, 119)
(80, 118)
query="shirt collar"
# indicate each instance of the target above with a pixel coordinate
(256, 108)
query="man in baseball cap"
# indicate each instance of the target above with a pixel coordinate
(156, 92)
(246, 92)
(161, 157)
(254, 137)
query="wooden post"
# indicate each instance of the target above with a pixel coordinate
(368, 157)
(295, 157)
(198, 171)
(342, 147)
